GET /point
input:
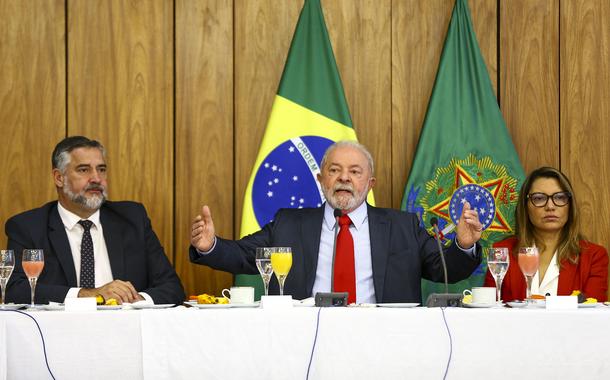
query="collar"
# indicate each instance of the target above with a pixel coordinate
(359, 216)
(552, 272)
(70, 219)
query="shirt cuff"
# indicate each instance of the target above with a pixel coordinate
(203, 253)
(147, 298)
(472, 251)
(72, 293)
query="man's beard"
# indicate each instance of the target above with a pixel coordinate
(94, 202)
(344, 201)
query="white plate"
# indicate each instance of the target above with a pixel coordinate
(211, 305)
(586, 305)
(537, 303)
(479, 305)
(516, 304)
(12, 306)
(151, 305)
(54, 306)
(238, 305)
(109, 307)
(406, 304)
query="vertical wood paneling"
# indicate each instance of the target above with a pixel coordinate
(585, 110)
(120, 91)
(485, 22)
(418, 34)
(32, 102)
(204, 130)
(360, 33)
(263, 32)
(530, 79)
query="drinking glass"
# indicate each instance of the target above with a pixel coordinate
(281, 261)
(263, 263)
(32, 263)
(528, 262)
(497, 262)
(7, 263)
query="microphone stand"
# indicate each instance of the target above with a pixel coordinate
(442, 299)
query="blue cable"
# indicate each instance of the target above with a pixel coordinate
(44, 348)
(313, 347)
(450, 343)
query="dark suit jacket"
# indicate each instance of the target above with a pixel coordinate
(589, 274)
(134, 250)
(402, 253)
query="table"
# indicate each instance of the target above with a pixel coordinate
(352, 343)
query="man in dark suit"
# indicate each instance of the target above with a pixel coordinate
(91, 246)
(390, 251)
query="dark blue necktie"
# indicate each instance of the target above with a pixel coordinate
(87, 267)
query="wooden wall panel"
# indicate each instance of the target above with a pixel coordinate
(263, 32)
(585, 110)
(529, 43)
(204, 131)
(32, 102)
(418, 34)
(360, 33)
(120, 91)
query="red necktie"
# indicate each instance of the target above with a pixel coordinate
(345, 269)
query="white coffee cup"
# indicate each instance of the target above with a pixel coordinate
(484, 295)
(239, 294)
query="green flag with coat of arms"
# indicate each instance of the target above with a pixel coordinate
(309, 113)
(465, 152)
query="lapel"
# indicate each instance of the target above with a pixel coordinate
(311, 230)
(379, 234)
(114, 242)
(61, 246)
(567, 274)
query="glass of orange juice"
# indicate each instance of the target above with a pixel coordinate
(32, 263)
(281, 261)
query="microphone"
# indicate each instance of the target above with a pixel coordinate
(337, 214)
(442, 299)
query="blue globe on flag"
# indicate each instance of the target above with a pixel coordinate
(286, 177)
(480, 199)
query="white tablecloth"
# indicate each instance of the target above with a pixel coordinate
(352, 343)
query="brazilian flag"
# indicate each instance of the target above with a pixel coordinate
(464, 150)
(309, 113)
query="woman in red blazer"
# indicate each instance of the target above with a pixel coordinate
(547, 217)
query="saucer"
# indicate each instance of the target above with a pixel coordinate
(516, 304)
(480, 305)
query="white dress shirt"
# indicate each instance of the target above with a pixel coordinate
(103, 271)
(365, 288)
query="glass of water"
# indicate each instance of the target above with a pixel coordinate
(7, 263)
(497, 262)
(263, 263)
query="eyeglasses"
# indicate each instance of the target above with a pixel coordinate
(560, 199)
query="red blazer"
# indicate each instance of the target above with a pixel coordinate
(589, 275)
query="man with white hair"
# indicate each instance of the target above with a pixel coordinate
(381, 254)
(91, 246)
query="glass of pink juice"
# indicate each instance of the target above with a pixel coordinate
(528, 259)
(32, 263)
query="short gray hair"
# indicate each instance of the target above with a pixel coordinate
(349, 144)
(61, 154)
